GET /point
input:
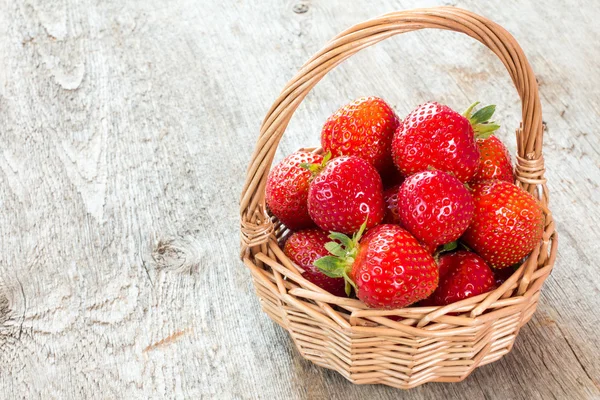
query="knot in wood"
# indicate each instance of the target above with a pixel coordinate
(181, 254)
(4, 307)
(300, 8)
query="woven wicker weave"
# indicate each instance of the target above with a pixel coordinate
(442, 344)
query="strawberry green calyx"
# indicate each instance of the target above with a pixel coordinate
(480, 120)
(457, 245)
(316, 168)
(343, 250)
(450, 246)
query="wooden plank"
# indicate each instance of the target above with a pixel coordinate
(126, 130)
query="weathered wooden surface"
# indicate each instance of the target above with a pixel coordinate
(126, 128)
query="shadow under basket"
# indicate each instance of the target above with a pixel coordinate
(418, 344)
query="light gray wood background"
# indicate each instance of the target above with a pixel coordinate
(125, 131)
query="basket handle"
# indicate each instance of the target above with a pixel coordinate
(256, 226)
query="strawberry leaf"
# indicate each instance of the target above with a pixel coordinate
(356, 237)
(450, 246)
(468, 111)
(343, 252)
(331, 266)
(349, 284)
(480, 121)
(316, 168)
(483, 115)
(336, 249)
(484, 131)
(313, 168)
(348, 289)
(350, 281)
(343, 239)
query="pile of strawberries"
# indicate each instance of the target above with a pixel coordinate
(419, 210)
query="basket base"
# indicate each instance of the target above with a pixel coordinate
(403, 361)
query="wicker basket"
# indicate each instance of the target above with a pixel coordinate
(440, 344)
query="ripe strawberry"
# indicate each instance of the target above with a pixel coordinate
(395, 317)
(345, 192)
(508, 223)
(363, 128)
(501, 275)
(494, 161)
(287, 189)
(436, 136)
(388, 268)
(430, 248)
(463, 274)
(390, 196)
(304, 248)
(435, 207)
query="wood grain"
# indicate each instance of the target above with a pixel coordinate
(126, 130)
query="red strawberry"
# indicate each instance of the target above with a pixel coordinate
(388, 268)
(430, 248)
(345, 193)
(287, 189)
(304, 248)
(390, 196)
(508, 223)
(494, 161)
(363, 128)
(395, 317)
(436, 136)
(462, 275)
(435, 207)
(501, 275)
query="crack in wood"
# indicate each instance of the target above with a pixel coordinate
(595, 382)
